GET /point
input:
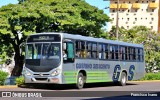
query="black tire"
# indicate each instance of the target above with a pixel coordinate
(80, 81)
(123, 79)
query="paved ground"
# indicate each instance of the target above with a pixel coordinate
(103, 91)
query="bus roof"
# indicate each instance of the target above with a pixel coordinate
(92, 39)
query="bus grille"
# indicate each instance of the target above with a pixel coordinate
(41, 79)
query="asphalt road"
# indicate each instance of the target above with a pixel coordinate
(101, 91)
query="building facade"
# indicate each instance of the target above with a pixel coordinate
(136, 13)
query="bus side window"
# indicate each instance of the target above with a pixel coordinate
(80, 48)
(120, 52)
(105, 51)
(126, 53)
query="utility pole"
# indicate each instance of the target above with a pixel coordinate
(117, 19)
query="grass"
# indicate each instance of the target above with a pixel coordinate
(151, 76)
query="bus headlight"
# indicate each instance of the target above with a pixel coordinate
(27, 73)
(56, 72)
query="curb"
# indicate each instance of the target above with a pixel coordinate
(9, 86)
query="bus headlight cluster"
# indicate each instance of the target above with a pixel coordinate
(27, 73)
(56, 72)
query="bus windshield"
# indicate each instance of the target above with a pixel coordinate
(43, 51)
(43, 57)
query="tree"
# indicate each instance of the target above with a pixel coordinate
(35, 16)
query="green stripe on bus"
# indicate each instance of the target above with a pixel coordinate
(92, 76)
(70, 73)
(70, 77)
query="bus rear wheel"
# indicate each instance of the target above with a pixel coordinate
(80, 81)
(123, 79)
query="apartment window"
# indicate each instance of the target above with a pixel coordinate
(128, 10)
(128, 19)
(152, 19)
(141, 18)
(152, 10)
(116, 2)
(142, 9)
(136, 1)
(146, 9)
(113, 11)
(147, 1)
(146, 18)
(113, 18)
(135, 10)
(129, 2)
(151, 27)
(153, 1)
(122, 18)
(142, 1)
(122, 10)
(127, 27)
(135, 19)
(124, 2)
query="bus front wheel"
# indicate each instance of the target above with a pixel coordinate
(123, 79)
(80, 81)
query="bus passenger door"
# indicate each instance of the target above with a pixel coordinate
(68, 52)
(69, 73)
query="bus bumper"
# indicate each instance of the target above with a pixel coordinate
(45, 80)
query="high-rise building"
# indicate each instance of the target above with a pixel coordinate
(136, 13)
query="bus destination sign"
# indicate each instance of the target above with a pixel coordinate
(44, 38)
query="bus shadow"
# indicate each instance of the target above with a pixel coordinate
(108, 84)
(72, 86)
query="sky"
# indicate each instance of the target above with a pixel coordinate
(5, 2)
(100, 4)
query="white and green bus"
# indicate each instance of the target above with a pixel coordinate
(61, 58)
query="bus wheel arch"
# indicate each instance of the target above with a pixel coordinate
(81, 79)
(123, 78)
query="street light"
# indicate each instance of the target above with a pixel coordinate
(117, 18)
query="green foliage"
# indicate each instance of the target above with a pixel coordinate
(142, 35)
(3, 76)
(151, 76)
(20, 81)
